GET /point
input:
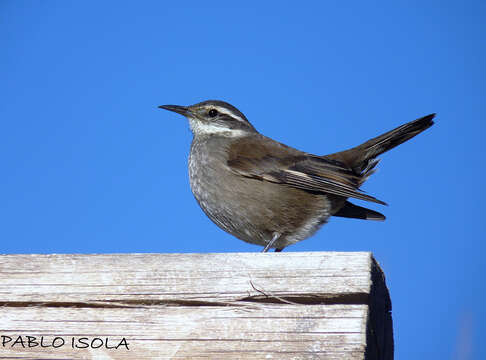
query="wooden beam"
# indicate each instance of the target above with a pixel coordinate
(308, 305)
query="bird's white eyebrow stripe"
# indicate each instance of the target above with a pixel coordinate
(229, 113)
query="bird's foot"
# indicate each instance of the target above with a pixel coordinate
(271, 242)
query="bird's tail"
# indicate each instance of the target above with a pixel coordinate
(362, 158)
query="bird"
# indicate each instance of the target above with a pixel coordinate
(269, 194)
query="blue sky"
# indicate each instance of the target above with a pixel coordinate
(90, 165)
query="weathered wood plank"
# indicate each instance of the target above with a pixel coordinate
(196, 306)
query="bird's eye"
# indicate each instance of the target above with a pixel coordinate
(212, 113)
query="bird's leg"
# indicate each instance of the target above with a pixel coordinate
(276, 235)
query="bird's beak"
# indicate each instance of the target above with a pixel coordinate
(183, 110)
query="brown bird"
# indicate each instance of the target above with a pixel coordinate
(267, 193)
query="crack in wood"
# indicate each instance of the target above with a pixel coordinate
(294, 299)
(317, 299)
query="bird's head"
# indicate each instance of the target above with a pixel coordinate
(214, 117)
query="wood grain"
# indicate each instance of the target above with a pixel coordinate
(319, 305)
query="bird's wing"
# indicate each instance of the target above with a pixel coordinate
(278, 163)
